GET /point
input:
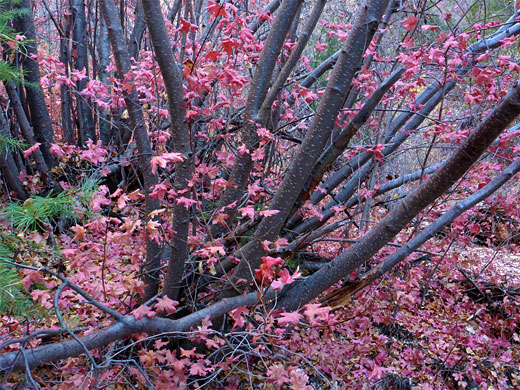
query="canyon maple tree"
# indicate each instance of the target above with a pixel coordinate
(184, 177)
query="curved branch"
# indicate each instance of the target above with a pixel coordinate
(14, 361)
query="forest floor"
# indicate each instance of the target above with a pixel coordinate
(452, 323)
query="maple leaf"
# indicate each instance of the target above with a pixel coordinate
(186, 26)
(190, 114)
(95, 153)
(268, 213)
(266, 271)
(237, 316)
(299, 380)
(216, 250)
(280, 242)
(284, 278)
(155, 213)
(220, 219)
(186, 202)
(247, 211)
(278, 373)
(143, 311)
(147, 357)
(506, 42)
(228, 44)
(166, 304)
(121, 201)
(410, 22)
(31, 150)
(315, 312)
(78, 75)
(198, 369)
(258, 154)
(79, 232)
(213, 55)
(483, 57)
(427, 27)
(216, 10)
(57, 151)
(378, 152)
(151, 227)
(242, 149)
(163, 159)
(320, 46)
(378, 372)
(98, 201)
(291, 319)
(188, 352)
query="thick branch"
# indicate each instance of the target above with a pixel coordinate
(181, 140)
(436, 185)
(317, 134)
(144, 147)
(447, 218)
(14, 361)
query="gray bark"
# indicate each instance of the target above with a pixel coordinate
(436, 185)
(39, 115)
(79, 33)
(319, 131)
(257, 93)
(181, 140)
(447, 218)
(144, 148)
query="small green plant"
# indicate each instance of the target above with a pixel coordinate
(36, 213)
(14, 300)
(9, 38)
(10, 144)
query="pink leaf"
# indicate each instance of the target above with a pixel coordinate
(31, 150)
(247, 211)
(166, 304)
(186, 202)
(143, 311)
(289, 319)
(268, 213)
(427, 27)
(410, 23)
(57, 151)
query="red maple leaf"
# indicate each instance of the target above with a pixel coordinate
(216, 10)
(410, 23)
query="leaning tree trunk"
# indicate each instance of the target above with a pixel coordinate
(85, 113)
(257, 92)
(436, 185)
(317, 135)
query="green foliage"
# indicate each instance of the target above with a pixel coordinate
(9, 73)
(14, 300)
(8, 143)
(8, 37)
(37, 212)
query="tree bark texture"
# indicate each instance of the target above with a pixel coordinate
(181, 136)
(319, 131)
(39, 114)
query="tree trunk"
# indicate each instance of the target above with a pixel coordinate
(258, 89)
(85, 113)
(181, 140)
(319, 131)
(144, 148)
(39, 115)
(405, 211)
